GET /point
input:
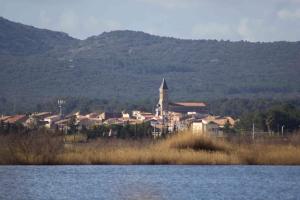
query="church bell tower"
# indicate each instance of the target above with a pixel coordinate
(163, 102)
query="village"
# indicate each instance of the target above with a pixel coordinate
(169, 117)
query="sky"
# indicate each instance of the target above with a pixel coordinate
(251, 20)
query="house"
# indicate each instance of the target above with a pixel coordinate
(176, 117)
(88, 122)
(212, 124)
(136, 113)
(63, 124)
(40, 115)
(125, 115)
(221, 121)
(108, 115)
(145, 116)
(142, 116)
(133, 121)
(116, 121)
(176, 121)
(50, 121)
(33, 122)
(206, 127)
(36, 119)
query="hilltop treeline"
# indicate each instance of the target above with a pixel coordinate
(37, 65)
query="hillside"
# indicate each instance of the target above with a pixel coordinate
(19, 39)
(39, 65)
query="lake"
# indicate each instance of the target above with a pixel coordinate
(149, 182)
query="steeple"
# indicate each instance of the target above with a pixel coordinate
(163, 85)
(163, 98)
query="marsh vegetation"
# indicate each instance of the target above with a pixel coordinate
(182, 148)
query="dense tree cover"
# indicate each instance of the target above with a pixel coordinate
(237, 107)
(39, 65)
(19, 39)
(285, 116)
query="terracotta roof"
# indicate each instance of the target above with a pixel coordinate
(92, 115)
(230, 120)
(209, 122)
(114, 121)
(3, 118)
(52, 117)
(146, 113)
(149, 116)
(211, 117)
(63, 121)
(190, 104)
(16, 118)
(41, 114)
(221, 121)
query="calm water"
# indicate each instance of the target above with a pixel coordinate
(149, 182)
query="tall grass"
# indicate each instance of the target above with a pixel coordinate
(200, 142)
(150, 154)
(182, 148)
(269, 154)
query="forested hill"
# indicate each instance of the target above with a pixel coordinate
(19, 39)
(37, 65)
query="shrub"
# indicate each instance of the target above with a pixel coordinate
(38, 147)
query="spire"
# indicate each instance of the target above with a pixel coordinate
(163, 85)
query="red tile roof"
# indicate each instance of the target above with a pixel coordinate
(221, 121)
(3, 118)
(15, 119)
(190, 104)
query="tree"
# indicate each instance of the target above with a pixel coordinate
(227, 127)
(73, 126)
(272, 119)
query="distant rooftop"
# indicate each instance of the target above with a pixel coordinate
(189, 104)
(15, 118)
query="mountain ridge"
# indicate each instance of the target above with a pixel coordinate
(129, 65)
(15, 37)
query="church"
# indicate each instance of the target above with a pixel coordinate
(165, 106)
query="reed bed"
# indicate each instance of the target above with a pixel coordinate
(146, 155)
(269, 154)
(179, 149)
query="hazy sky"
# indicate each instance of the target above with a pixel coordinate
(253, 20)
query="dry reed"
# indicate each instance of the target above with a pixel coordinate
(182, 148)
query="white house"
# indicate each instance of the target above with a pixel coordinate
(51, 120)
(206, 127)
